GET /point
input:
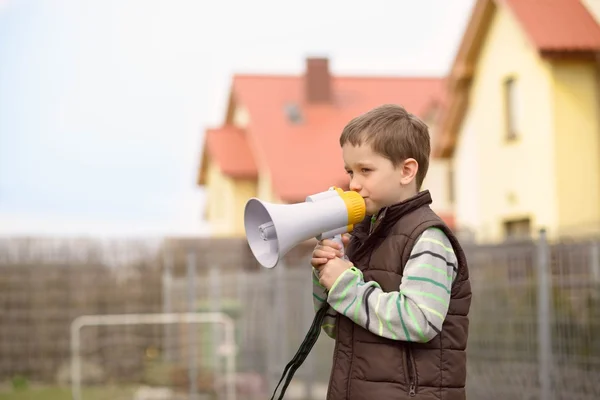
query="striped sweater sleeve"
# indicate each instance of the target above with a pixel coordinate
(417, 310)
(320, 297)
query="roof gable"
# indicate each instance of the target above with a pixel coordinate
(557, 28)
(557, 25)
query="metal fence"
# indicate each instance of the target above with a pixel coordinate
(534, 326)
(535, 320)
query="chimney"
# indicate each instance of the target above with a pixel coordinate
(317, 81)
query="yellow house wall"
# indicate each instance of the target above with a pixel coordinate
(219, 202)
(226, 199)
(437, 183)
(577, 147)
(437, 179)
(241, 116)
(244, 189)
(512, 178)
(467, 182)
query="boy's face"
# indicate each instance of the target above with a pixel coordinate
(376, 179)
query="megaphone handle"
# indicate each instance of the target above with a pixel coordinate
(338, 239)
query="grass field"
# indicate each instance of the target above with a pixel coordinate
(64, 393)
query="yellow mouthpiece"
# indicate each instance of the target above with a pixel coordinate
(355, 205)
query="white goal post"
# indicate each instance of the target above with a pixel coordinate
(227, 349)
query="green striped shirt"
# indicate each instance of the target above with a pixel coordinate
(415, 312)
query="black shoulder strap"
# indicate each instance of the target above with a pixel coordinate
(309, 341)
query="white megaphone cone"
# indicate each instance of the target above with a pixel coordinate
(274, 229)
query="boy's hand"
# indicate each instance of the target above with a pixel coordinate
(331, 271)
(327, 250)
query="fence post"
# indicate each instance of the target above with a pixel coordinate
(242, 298)
(167, 281)
(595, 262)
(214, 288)
(192, 360)
(544, 304)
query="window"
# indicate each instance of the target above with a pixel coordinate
(517, 229)
(511, 109)
(293, 113)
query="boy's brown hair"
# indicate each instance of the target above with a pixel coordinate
(394, 133)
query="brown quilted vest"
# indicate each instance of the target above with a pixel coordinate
(366, 366)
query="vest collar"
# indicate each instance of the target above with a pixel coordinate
(388, 216)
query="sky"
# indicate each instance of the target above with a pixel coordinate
(103, 103)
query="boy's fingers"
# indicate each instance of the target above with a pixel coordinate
(317, 262)
(332, 246)
(323, 254)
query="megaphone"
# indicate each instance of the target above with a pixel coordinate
(274, 229)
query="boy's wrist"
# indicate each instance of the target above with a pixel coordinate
(351, 276)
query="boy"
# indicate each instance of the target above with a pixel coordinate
(398, 309)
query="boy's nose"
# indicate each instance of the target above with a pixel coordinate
(355, 186)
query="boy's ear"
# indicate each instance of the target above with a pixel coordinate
(409, 167)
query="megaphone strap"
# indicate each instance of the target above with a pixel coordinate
(307, 344)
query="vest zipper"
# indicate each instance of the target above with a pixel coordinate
(412, 392)
(412, 375)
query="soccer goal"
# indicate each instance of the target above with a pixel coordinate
(224, 347)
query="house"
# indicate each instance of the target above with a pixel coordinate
(521, 123)
(280, 137)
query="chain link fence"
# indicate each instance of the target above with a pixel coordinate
(534, 327)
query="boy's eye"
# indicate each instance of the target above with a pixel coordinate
(349, 172)
(365, 170)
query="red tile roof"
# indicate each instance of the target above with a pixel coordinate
(305, 158)
(229, 148)
(557, 25)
